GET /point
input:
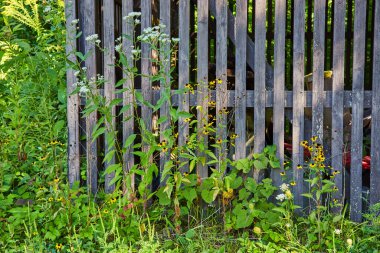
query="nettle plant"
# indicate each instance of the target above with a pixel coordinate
(241, 199)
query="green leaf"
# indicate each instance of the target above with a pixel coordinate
(129, 140)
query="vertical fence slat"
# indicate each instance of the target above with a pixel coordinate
(318, 68)
(128, 97)
(165, 85)
(375, 141)
(240, 78)
(298, 97)
(202, 78)
(338, 96)
(279, 85)
(146, 84)
(88, 8)
(221, 73)
(72, 100)
(259, 75)
(183, 70)
(357, 111)
(109, 77)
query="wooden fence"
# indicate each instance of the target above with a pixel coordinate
(268, 46)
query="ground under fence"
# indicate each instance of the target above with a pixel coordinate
(288, 70)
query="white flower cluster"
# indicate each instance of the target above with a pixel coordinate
(94, 38)
(47, 9)
(75, 21)
(84, 85)
(132, 15)
(287, 194)
(337, 231)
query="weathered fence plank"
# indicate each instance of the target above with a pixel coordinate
(73, 101)
(318, 68)
(88, 8)
(165, 84)
(240, 79)
(183, 71)
(298, 97)
(357, 111)
(128, 96)
(279, 85)
(202, 79)
(221, 73)
(259, 76)
(375, 141)
(337, 97)
(109, 85)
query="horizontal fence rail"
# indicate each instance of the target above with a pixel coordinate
(287, 72)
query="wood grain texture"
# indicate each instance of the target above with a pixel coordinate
(202, 79)
(72, 100)
(318, 68)
(88, 16)
(110, 79)
(165, 84)
(375, 141)
(357, 111)
(183, 71)
(128, 97)
(221, 73)
(298, 97)
(240, 79)
(279, 86)
(259, 75)
(338, 96)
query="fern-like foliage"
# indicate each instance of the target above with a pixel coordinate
(25, 11)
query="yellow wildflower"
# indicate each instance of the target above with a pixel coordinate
(58, 246)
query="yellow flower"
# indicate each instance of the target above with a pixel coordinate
(336, 172)
(234, 136)
(163, 143)
(185, 174)
(293, 183)
(50, 199)
(58, 246)
(164, 149)
(219, 81)
(105, 211)
(335, 188)
(228, 194)
(113, 200)
(56, 180)
(59, 199)
(211, 103)
(282, 173)
(349, 242)
(304, 143)
(299, 166)
(219, 141)
(312, 165)
(288, 194)
(314, 138)
(205, 132)
(257, 230)
(188, 86)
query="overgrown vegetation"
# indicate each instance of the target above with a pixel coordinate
(227, 212)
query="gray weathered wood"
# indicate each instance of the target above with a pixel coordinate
(72, 100)
(298, 97)
(183, 70)
(337, 96)
(165, 84)
(240, 78)
(146, 69)
(259, 109)
(279, 86)
(375, 141)
(202, 79)
(357, 111)
(88, 16)
(128, 97)
(109, 85)
(221, 73)
(318, 68)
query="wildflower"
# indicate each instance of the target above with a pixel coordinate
(47, 9)
(228, 194)
(337, 231)
(137, 21)
(349, 242)
(282, 173)
(211, 103)
(50, 199)
(113, 200)
(164, 149)
(83, 91)
(288, 194)
(257, 230)
(58, 246)
(288, 225)
(299, 166)
(293, 183)
(219, 81)
(56, 180)
(59, 199)
(135, 51)
(92, 38)
(205, 132)
(312, 165)
(219, 141)
(234, 136)
(284, 187)
(335, 188)
(77, 73)
(105, 211)
(185, 174)
(118, 47)
(281, 197)
(336, 172)
(163, 143)
(75, 21)
(314, 138)
(175, 40)
(304, 143)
